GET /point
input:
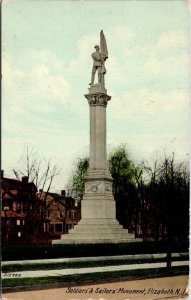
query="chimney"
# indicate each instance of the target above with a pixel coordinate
(63, 193)
(25, 179)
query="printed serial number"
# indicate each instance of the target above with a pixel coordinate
(12, 274)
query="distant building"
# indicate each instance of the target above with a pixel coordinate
(28, 216)
(61, 211)
(17, 208)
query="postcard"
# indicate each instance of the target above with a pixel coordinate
(95, 149)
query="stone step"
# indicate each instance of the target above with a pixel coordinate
(93, 228)
(98, 229)
(96, 241)
(98, 232)
(100, 235)
(97, 221)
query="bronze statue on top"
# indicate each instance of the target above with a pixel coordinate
(99, 57)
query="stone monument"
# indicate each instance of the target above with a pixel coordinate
(98, 222)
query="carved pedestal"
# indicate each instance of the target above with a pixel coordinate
(98, 223)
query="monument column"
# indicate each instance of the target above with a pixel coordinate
(98, 199)
(98, 222)
(98, 103)
(97, 132)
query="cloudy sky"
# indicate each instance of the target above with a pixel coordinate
(46, 65)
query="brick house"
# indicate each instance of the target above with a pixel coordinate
(28, 216)
(61, 211)
(17, 208)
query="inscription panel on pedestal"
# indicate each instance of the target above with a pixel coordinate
(98, 187)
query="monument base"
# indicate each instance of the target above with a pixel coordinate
(97, 231)
(98, 224)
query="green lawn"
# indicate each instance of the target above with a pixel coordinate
(27, 252)
(84, 264)
(68, 265)
(90, 278)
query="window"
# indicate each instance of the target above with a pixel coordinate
(18, 207)
(14, 206)
(6, 208)
(6, 205)
(72, 214)
(58, 227)
(18, 222)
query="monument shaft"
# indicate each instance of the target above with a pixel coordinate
(98, 222)
(98, 137)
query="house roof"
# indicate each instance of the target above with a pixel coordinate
(13, 188)
(15, 184)
(53, 195)
(63, 200)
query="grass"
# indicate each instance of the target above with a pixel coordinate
(83, 264)
(25, 252)
(68, 265)
(34, 283)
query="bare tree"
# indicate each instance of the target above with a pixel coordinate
(164, 197)
(42, 173)
(38, 170)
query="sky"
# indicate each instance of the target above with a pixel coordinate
(46, 70)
